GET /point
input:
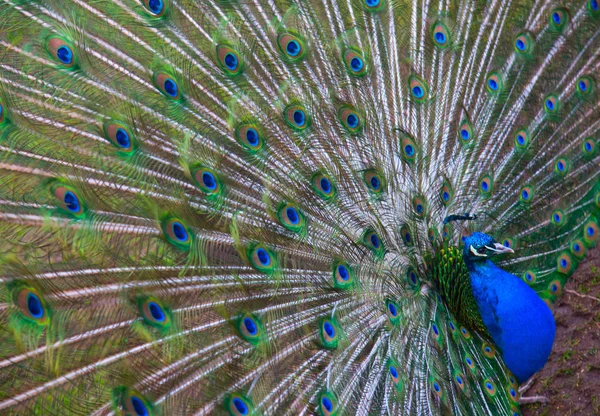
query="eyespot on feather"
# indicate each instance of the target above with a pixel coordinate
(120, 136)
(167, 85)
(355, 62)
(392, 312)
(440, 35)
(585, 86)
(406, 235)
(578, 248)
(350, 119)
(408, 149)
(565, 264)
(329, 333)
(559, 19)
(205, 179)
(296, 117)
(591, 232)
(153, 312)
(238, 405)
(521, 139)
(494, 83)
(262, 258)
(374, 181)
(62, 51)
(465, 131)
(323, 186)
(250, 328)
(524, 43)
(551, 104)
(31, 304)
(419, 89)
(68, 199)
(229, 60)
(131, 402)
(486, 186)
(328, 404)
(291, 217)
(526, 194)
(529, 277)
(157, 8)
(588, 147)
(446, 193)
(343, 276)
(373, 5)
(291, 47)
(176, 233)
(419, 206)
(489, 387)
(557, 218)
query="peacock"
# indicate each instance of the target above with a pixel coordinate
(290, 207)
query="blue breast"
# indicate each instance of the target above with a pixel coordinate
(520, 323)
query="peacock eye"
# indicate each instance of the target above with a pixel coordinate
(481, 250)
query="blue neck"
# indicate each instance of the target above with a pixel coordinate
(520, 323)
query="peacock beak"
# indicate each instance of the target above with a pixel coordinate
(500, 249)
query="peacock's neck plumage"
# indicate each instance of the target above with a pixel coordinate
(520, 323)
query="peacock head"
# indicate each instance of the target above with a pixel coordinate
(480, 247)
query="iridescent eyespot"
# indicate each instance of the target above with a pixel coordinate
(559, 18)
(290, 216)
(206, 179)
(593, 7)
(238, 405)
(526, 194)
(132, 402)
(465, 332)
(230, 60)
(119, 136)
(249, 135)
(392, 312)
(419, 206)
(591, 232)
(508, 242)
(176, 232)
(578, 248)
(343, 277)
(524, 43)
(296, 117)
(153, 312)
(561, 166)
(350, 119)
(262, 258)
(30, 303)
(529, 277)
(486, 186)
(588, 147)
(447, 231)
(446, 193)
(355, 62)
(551, 104)
(329, 333)
(408, 148)
(373, 5)
(406, 235)
(465, 131)
(374, 181)
(585, 86)
(494, 83)
(489, 387)
(68, 199)
(557, 218)
(437, 388)
(372, 240)
(412, 278)
(323, 186)
(432, 234)
(555, 287)
(488, 350)
(470, 363)
(62, 51)
(419, 90)
(167, 85)
(521, 139)
(459, 380)
(565, 263)
(328, 404)
(157, 8)
(440, 35)
(291, 46)
(513, 394)
(250, 328)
